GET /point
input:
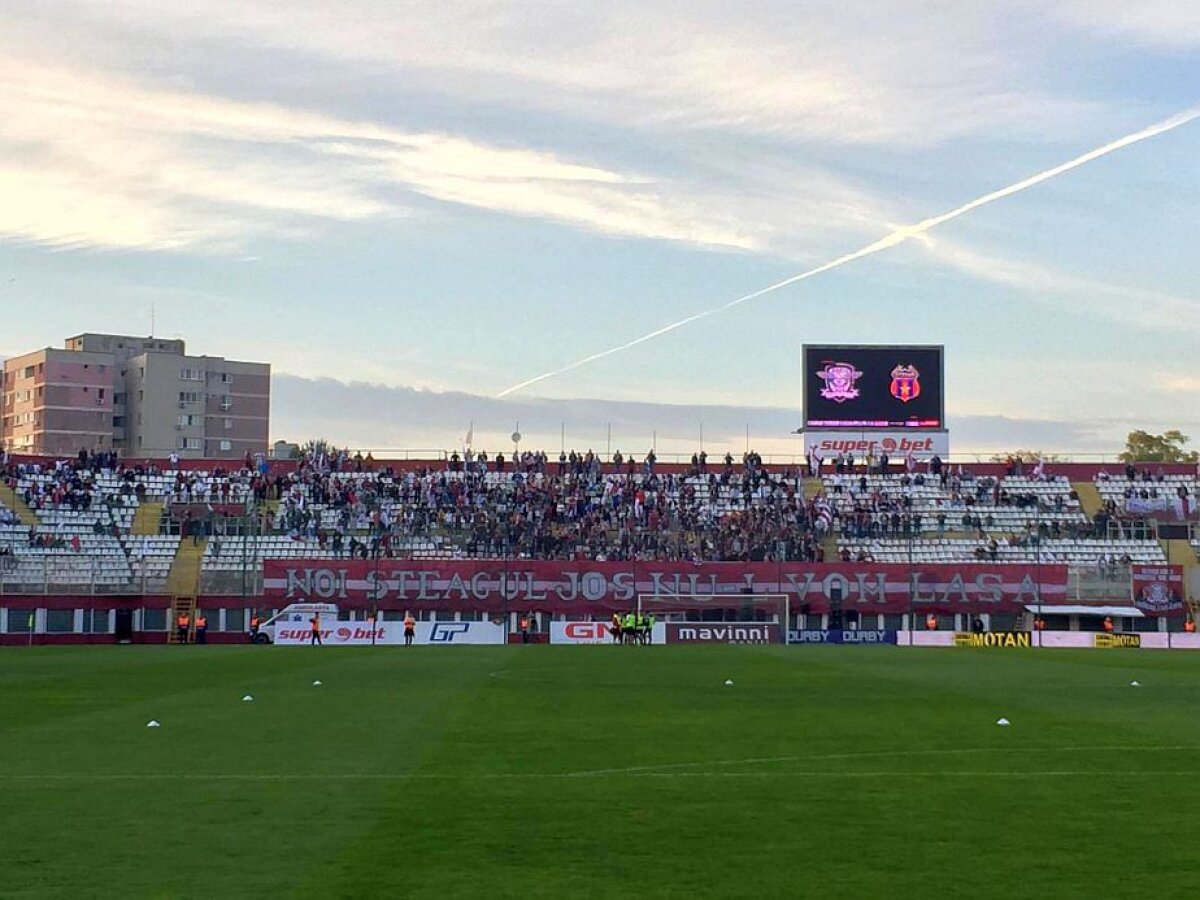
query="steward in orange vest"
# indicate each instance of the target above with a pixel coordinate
(181, 629)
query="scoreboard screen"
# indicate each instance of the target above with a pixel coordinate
(873, 387)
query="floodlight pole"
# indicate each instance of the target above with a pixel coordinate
(911, 600)
(1038, 567)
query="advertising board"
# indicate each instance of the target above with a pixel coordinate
(359, 634)
(841, 636)
(722, 633)
(594, 633)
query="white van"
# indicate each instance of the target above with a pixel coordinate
(292, 614)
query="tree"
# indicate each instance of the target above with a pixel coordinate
(1162, 448)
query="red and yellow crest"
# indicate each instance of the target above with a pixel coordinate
(906, 383)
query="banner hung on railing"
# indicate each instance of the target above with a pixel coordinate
(606, 587)
(1157, 589)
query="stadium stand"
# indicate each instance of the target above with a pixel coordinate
(95, 522)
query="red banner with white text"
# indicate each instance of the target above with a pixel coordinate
(582, 587)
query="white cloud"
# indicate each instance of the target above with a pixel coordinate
(1137, 307)
(1161, 22)
(852, 72)
(94, 160)
(379, 416)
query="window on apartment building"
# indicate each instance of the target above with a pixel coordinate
(118, 398)
(101, 393)
(226, 446)
(189, 421)
(28, 373)
(226, 404)
(228, 424)
(118, 421)
(189, 443)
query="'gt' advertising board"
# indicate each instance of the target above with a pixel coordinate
(350, 634)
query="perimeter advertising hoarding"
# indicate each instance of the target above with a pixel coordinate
(723, 633)
(591, 588)
(595, 633)
(860, 387)
(862, 636)
(357, 634)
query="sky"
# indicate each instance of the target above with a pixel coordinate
(407, 208)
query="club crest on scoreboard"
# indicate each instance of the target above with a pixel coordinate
(906, 383)
(840, 381)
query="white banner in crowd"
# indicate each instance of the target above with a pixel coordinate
(357, 634)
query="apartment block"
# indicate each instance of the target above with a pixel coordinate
(57, 402)
(145, 396)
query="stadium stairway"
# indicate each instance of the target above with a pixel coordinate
(1089, 497)
(147, 521)
(184, 578)
(17, 504)
(182, 606)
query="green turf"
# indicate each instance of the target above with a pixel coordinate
(442, 772)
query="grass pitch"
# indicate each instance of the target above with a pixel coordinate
(597, 772)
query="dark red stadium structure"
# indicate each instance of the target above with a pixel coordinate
(96, 550)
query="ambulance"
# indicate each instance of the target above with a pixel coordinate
(294, 615)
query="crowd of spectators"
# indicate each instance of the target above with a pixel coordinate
(534, 508)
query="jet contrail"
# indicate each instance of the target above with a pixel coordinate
(896, 237)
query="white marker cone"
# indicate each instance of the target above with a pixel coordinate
(1003, 722)
(316, 684)
(247, 697)
(153, 723)
(728, 682)
(1135, 684)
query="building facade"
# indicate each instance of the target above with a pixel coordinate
(140, 396)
